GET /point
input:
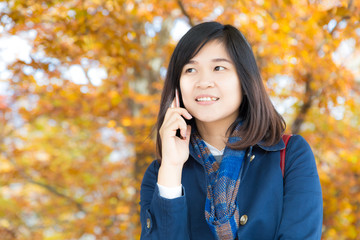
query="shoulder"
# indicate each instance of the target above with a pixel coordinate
(299, 155)
(298, 146)
(298, 141)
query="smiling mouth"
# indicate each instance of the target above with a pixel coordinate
(206, 99)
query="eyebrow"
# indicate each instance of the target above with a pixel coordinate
(221, 60)
(213, 60)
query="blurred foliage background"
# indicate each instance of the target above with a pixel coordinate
(77, 110)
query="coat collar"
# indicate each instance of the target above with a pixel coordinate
(273, 148)
(276, 147)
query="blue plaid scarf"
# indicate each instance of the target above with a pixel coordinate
(221, 208)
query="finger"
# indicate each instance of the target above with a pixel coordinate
(185, 134)
(180, 111)
(173, 126)
(181, 127)
(188, 132)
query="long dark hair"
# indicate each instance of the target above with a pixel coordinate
(261, 122)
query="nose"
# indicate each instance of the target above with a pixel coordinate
(205, 81)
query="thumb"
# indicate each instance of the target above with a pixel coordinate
(188, 132)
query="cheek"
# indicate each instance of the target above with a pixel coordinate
(185, 91)
(239, 92)
(234, 87)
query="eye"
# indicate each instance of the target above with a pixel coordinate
(219, 68)
(190, 70)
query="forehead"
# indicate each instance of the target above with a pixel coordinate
(212, 50)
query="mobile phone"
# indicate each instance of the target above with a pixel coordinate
(177, 104)
(177, 100)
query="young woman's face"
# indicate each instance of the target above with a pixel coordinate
(210, 87)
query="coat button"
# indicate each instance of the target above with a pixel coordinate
(148, 223)
(252, 158)
(243, 219)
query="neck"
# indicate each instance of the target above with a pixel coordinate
(213, 133)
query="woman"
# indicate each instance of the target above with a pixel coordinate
(219, 142)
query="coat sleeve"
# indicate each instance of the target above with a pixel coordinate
(303, 206)
(161, 218)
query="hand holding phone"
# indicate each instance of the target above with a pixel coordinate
(175, 148)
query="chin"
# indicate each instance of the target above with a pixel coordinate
(207, 118)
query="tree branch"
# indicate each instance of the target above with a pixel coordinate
(57, 193)
(308, 100)
(46, 186)
(7, 234)
(183, 10)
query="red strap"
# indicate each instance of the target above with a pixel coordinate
(282, 153)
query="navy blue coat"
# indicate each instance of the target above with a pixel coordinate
(272, 207)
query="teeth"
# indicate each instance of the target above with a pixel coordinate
(206, 99)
